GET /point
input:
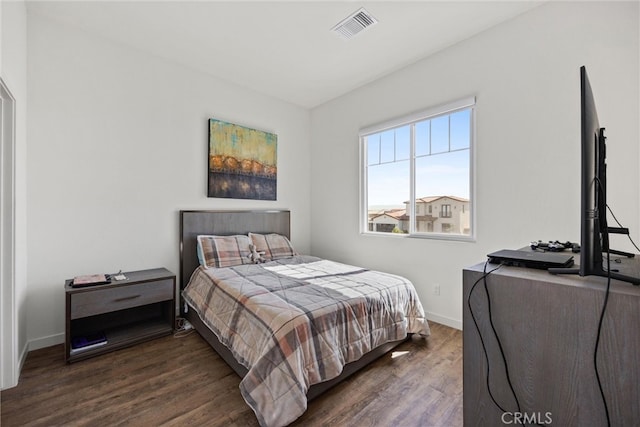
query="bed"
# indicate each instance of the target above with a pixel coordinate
(291, 326)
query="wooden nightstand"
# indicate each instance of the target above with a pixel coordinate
(130, 311)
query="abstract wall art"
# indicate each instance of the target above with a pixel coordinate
(242, 162)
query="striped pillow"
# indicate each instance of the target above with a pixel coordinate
(224, 251)
(274, 246)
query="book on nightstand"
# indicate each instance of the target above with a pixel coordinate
(90, 279)
(87, 342)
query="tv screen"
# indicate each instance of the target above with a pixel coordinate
(594, 231)
(593, 218)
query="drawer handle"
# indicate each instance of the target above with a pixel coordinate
(127, 298)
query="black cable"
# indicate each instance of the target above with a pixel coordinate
(595, 352)
(484, 348)
(475, 322)
(620, 225)
(606, 299)
(495, 333)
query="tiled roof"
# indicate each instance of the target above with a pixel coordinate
(394, 213)
(430, 199)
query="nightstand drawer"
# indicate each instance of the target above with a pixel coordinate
(85, 304)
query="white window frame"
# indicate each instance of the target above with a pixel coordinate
(429, 113)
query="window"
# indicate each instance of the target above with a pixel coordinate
(417, 173)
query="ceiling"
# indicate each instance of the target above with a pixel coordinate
(285, 49)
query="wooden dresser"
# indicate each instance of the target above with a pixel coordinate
(548, 326)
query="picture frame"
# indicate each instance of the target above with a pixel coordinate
(242, 162)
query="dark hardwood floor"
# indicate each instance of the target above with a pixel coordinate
(182, 381)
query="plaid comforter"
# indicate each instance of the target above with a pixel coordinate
(297, 321)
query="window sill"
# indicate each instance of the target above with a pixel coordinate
(428, 236)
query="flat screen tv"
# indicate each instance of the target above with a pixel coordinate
(594, 232)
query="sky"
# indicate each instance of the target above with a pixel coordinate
(442, 160)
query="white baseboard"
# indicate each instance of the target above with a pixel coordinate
(46, 342)
(447, 321)
(59, 338)
(33, 345)
(21, 358)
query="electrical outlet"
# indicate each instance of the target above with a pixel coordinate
(436, 290)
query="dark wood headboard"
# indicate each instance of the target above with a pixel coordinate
(224, 223)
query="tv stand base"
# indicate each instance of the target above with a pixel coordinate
(601, 273)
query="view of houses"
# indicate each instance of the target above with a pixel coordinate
(434, 214)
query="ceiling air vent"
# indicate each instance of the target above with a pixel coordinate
(354, 24)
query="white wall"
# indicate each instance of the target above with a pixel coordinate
(525, 75)
(13, 69)
(117, 146)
